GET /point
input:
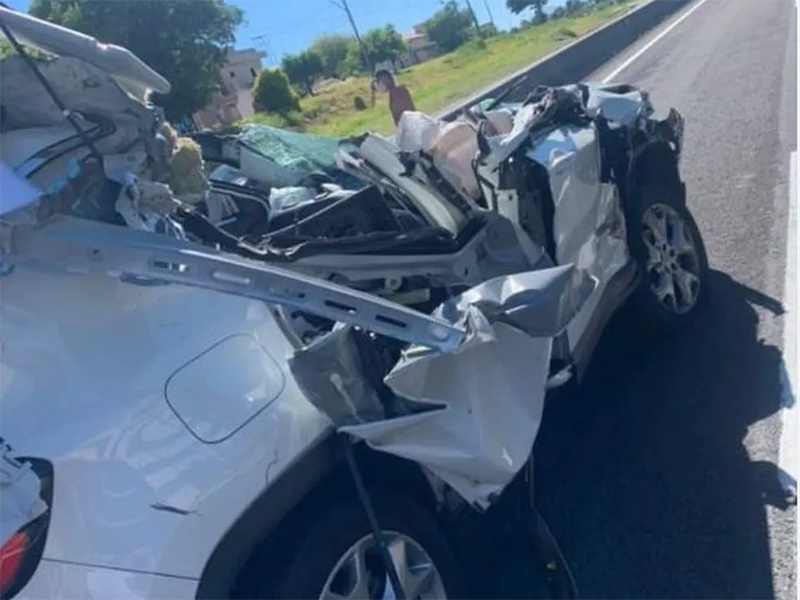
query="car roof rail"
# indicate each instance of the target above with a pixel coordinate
(82, 246)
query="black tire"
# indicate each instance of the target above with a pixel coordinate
(326, 537)
(650, 315)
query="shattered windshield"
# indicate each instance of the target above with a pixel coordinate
(291, 148)
(298, 154)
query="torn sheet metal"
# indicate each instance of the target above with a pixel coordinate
(492, 395)
(540, 303)
(583, 204)
(471, 415)
(502, 147)
(588, 223)
(623, 104)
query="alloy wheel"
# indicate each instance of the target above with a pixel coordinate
(673, 264)
(360, 572)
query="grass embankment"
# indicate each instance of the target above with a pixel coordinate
(442, 81)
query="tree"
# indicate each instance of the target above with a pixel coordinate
(449, 26)
(573, 7)
(353, 63)
(186, 42)
(333, 49)
(303, 69)
(517, 6)
(272, 93)
(384, 44)
(489, 30)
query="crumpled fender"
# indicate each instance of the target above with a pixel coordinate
(472, 414)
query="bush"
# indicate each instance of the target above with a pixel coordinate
(273, 93)
(449, 26)
(359, 104)
(303, 69)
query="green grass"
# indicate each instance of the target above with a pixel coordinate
(440, 82)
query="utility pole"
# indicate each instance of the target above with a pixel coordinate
(364, 56)
(475, 20)
(489, 10)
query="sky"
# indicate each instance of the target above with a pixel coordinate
(288, 26)
(280, 27)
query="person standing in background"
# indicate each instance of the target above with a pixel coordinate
(399, 96)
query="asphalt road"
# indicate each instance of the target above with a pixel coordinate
(659, 476)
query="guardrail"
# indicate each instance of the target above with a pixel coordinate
(582, 57)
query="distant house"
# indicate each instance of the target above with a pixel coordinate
(234, 101)
(420, 48)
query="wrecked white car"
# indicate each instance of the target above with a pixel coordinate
(308, 398)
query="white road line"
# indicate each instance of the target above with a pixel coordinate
(789, 453)
(650, 44)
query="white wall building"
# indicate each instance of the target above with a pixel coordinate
(235, 100)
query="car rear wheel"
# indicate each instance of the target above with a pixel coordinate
(337, 556)
(666, 242)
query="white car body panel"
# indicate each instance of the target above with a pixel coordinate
(494, 398)
(482, 402)
(152, 485)
(84, 582)
(83, 368)
(221, 390)
(18, 146)
(588, 225)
